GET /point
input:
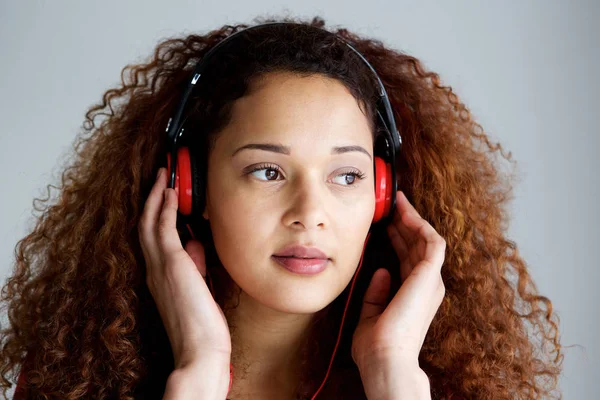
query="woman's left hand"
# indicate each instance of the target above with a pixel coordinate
(392, 336)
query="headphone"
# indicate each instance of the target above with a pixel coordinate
(185, 175)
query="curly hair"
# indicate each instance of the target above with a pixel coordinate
(82, 320)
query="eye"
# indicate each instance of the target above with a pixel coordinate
(272, 171)
(350, 177)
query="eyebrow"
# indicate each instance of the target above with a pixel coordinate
(277, 148)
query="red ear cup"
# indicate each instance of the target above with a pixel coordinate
(183, 179)
(388, 191)
(381, 176)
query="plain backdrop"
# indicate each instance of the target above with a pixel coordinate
(526, 69)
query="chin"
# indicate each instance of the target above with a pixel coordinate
(295, 297)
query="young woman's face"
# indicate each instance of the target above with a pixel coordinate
(308, 196)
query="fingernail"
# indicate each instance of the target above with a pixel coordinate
(160, 170)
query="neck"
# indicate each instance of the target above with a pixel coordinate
(266, 347)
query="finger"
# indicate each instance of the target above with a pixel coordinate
(404, 204)
(431, 246)
(399, 244)
(407, 213)
(413, 300)
(400, 230)
(435, 249)
(168, 237)
(196, 251)
(412, 220)
(412, 227)
(375, 300)
(397, 241)
(401, 209)
(150, 214)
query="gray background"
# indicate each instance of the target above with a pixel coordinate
(526, 69)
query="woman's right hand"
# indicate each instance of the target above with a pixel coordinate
(194, 322)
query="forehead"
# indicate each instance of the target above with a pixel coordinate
(297, 111)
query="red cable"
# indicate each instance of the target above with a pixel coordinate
(343, 318)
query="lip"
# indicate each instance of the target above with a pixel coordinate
(303, 266)
(299, 251)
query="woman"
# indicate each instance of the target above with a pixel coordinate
(109, 299)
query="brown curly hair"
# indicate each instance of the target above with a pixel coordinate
(83, 323)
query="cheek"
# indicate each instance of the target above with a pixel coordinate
(240, 230)
(353, 225)
(355, 215)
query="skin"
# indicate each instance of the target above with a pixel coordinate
(312, 200)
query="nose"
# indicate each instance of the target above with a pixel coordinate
(307, 204)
